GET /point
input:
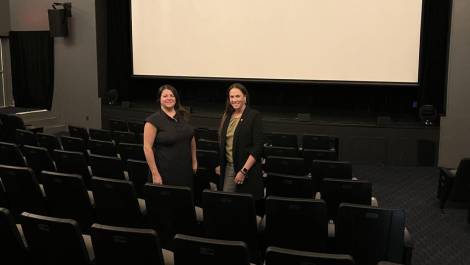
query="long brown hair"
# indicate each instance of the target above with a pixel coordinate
(180, 110)
(228, 107)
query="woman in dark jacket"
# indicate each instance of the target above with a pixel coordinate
(241, 145)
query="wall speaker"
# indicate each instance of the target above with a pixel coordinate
(58, 19)
(58, 25)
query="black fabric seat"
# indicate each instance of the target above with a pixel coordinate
(39, 159)
(136, 127)
(139, 174)
(51, 142)
(284, 140)
(55, 241)
(337, 191)
(107, 167)
(79, 132)
(207, 134)
(198, 250)
(294, 223)
(370, 234)
(329, 169)
(67, 197)
(12, 247)
(99, 134)
(281, 256)
(22, 190)
(11, 155)
(280, 151)
(105, 148)
(73, 144)
(204, 144)
(131, 151)
(171, 211)
(116, 203)
(289, 186)
(124, 245)
(118, 125)
(231, 216)
(74, 163)
(124, 137)
(454, 184)
(286, 165)
(25, 137)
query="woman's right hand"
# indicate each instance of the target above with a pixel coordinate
(217, 170)
(157, 180)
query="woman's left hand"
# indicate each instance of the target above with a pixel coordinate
(239, 178)
(194, 166)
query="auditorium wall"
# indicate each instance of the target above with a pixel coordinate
(75, 72)
(455, 126)
(4, 18)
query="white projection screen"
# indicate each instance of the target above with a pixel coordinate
(317, 40)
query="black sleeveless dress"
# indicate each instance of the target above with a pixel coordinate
(172, 149)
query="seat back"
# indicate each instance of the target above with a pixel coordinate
(198, 250)
(48, 141)
(170, 210)
(131, 151)
(461, 186)
(39, 159)
(118, 125)
(284, 139)
(105, 148)
(281, 256)
(231, 216)
(67, 197)
(54, 240)
(321, 169)
(280, 151)
(25, 137)
(370, 234)
(116, 202)
(123, 245)
(289, 186)
(11, 122)
(286, 165)
(204, 144)
(336, 191)
(318, 154)
(139, 174)
(322, 142)
(79, 132)
(12, 246)
(22, 190)
(136, 127)
(73, 144)
(11, 155)
(294, 223)
(124, 137)
(72, 162)
(207, 158)
(207, 134)
(107, 166)
(98, 134)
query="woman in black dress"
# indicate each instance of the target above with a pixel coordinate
(169, 144)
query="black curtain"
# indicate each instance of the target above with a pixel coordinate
(119, 47)
(32, 68)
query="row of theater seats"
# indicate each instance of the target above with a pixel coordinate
(300, 224)
(311, 147)
(47, 240)
(209, 165)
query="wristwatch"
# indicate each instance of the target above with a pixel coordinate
(244, 171)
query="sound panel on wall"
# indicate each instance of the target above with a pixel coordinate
(58, 25)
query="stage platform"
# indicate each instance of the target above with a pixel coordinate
(364, 138)
(37, 118)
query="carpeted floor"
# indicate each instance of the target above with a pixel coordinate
(440, 238)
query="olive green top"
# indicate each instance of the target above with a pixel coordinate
(229, 138)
